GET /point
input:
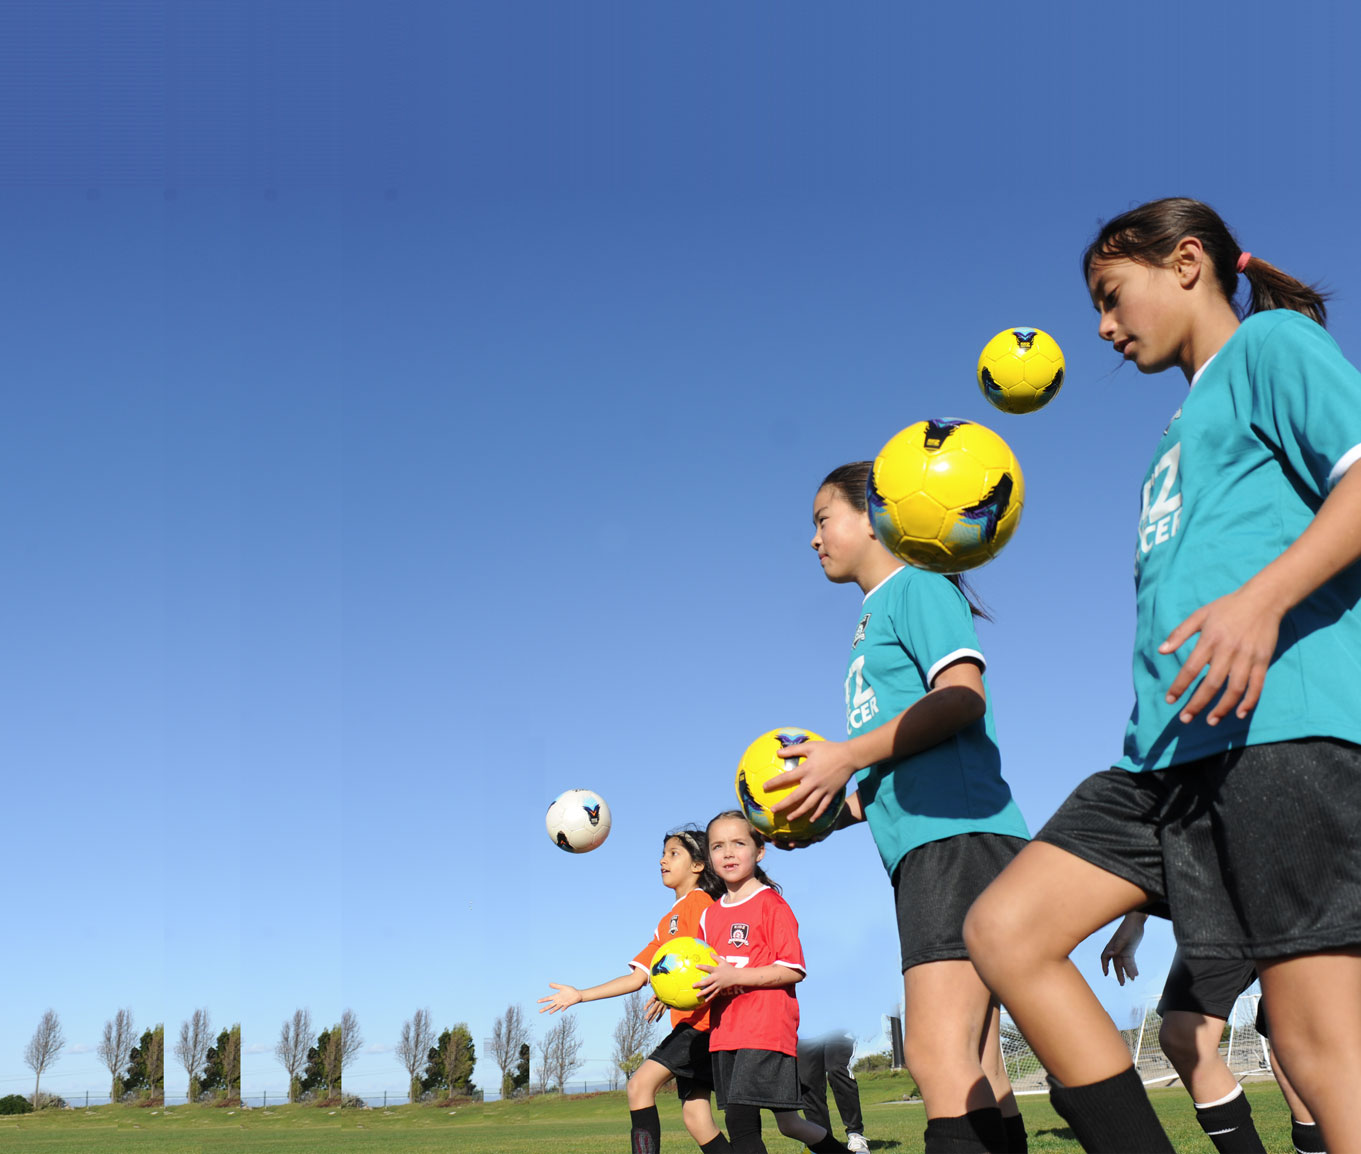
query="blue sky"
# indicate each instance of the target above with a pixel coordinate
(413, 413)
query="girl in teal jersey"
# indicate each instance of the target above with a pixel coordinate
(928, 772)
(1238, 798)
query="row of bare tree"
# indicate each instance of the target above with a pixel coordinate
(315, 1060)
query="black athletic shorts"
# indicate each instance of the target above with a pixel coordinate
(934, 886)
(685, 1052)
(1255, 850)
(764, 1078)
(1207, 986)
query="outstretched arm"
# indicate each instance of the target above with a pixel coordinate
(567, 996)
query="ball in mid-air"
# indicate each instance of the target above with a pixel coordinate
(675, 970)
(1020, 370)
(946, 495)
(578, 820)
(757, 766)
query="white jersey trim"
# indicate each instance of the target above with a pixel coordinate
(790, 966)
(1347, 460)
(951, 658)
(637, 965)
(882, 583)
(727, 905)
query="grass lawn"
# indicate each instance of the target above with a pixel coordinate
(577, 1124)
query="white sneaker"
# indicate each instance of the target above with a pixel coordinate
(857, 1144)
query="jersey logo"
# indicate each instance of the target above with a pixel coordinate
(675, 923)
(860, 631)
(737, 936)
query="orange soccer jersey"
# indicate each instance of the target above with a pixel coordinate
(681, 921)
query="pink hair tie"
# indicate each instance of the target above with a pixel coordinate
(1243, 258)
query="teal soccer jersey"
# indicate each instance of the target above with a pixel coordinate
(1272, 422)
(912, 625)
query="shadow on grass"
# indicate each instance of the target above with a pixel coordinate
(1059, 1132)
(884, 1144)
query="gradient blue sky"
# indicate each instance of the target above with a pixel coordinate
(414, 411)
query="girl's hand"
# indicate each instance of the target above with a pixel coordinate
(654, 1010)
(1120, 949)
(723, 976)
(1238, 634)
(566, 996)
(826, 768)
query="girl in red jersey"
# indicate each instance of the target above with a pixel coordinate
(754, 1038)
(683, 1053)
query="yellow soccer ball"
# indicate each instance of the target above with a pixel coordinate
(757, 766)
(675, 970)
(946, 495)
(1021, 370)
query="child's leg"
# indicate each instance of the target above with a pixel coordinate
(995, 1070)
(815, 1137)
(646, 1133)
(1020, 933)
(945, 1012)
(1191, 1042)
(1315, 1004)
(699, 1119)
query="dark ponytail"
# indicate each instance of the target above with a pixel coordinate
(1150, 234)
(697, 846)
(757, 836)
(852, 482)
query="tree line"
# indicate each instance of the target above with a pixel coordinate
(438, 1063)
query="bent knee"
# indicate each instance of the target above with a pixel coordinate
(993, 930)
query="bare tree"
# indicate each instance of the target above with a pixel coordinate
(413, 1047)
(633, 1034)
(559, 1055)
(351, 1041)
(296, 1037)
(43, 1049)
(329, 1059)
(196, 1035)
(115, 1049)
(508, 1034)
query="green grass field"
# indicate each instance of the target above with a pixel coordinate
(580, 1124)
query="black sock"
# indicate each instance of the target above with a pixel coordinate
(1113, 1116)
(1016, 1139)
(977, 1132)
(717, 1145)
(646, 1134)
(744, 1129)
(1307, 1137)
(1229, 1125)
(827, 1145)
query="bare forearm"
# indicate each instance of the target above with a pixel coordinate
(635, 979)
(942, 713)
(768, 977)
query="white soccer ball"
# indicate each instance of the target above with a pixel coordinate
(578, 820)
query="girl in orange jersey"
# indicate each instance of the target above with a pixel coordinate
(683, 1053)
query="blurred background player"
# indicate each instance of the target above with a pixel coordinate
(1197, 999)
(825, 1061)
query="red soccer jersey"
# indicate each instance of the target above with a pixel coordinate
(759, 930)
(681, 921)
